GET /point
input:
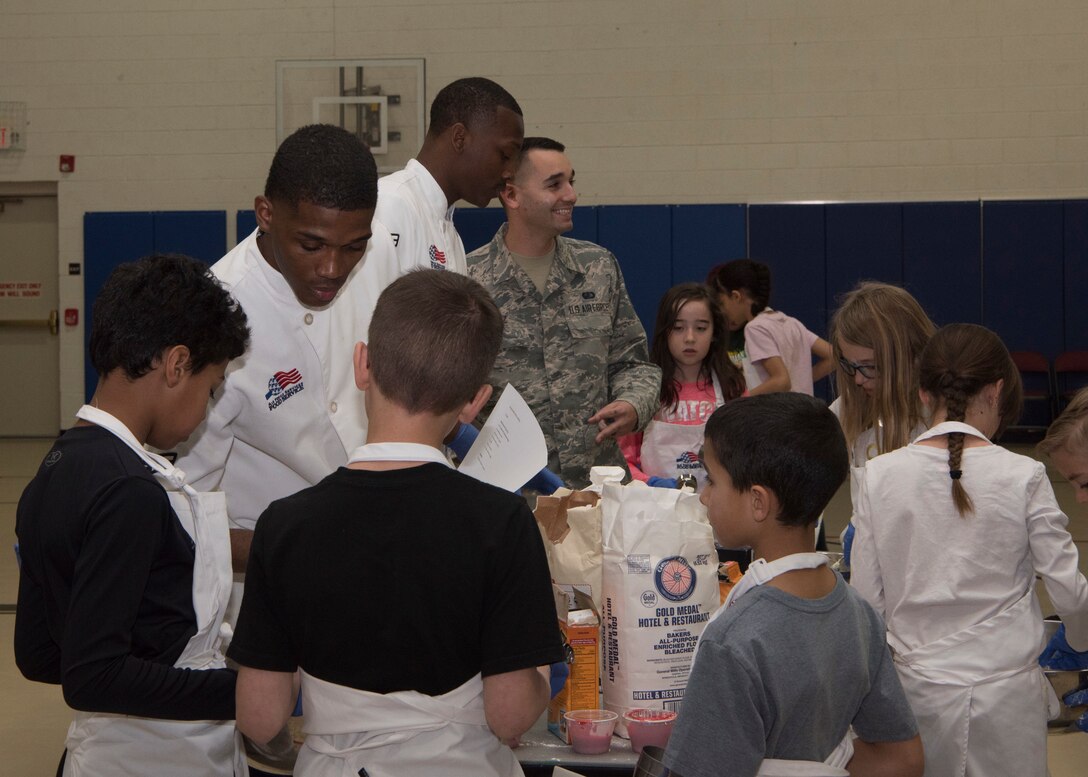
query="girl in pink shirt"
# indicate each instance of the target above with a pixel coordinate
(779, 349)
(690, 344)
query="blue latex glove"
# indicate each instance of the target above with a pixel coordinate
(1058, 655)
(545, 482)
(297, 713)
(1078, 699)
(463, 440)
(18, 557)
(847, 544)
(560, 671)
(657, 482)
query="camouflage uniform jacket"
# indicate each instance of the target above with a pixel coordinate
(571, 350)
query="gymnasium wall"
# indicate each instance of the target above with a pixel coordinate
(686, 102)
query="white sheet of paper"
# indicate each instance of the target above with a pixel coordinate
(510, 448)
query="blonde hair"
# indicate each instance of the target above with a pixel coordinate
(890, 322)
(1070, 430)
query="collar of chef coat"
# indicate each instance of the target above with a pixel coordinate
(431, 191)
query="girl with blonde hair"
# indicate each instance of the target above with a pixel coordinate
(877, 334)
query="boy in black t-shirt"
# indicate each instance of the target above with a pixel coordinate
(414, 600)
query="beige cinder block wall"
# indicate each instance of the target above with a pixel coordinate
(172, 106)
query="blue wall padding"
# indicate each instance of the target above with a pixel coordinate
(706, 235)
(196, 233)
(585, 224)
(245, 221)
(1018, 267)
(477, 226)
(1076, 274)
(1022, 263)
(110, 239)
(942, 259)
(790, 238)
(864, 242)
(641, 238)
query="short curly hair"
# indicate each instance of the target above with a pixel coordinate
(158, 302)
(469, 101)
(326, 166)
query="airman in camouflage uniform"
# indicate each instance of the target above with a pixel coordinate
(574, 347)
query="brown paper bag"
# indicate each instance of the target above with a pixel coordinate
(570, 524)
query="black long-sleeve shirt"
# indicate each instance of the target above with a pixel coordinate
(105, 588)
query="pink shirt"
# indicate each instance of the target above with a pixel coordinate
(695, 405)
(773, 333)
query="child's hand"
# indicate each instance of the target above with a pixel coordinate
(1058, 655)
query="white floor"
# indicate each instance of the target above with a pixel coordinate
(34, 718)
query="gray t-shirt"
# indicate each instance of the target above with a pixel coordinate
(778, 676)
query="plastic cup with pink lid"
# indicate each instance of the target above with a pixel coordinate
(590, 731)
(647, 726)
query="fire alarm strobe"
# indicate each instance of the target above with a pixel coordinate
(67, 163)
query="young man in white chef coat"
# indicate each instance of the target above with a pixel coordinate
(415, 600)
(288, 413)
(472, 142)
(125, 568)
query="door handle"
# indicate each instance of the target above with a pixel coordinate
(53, 322)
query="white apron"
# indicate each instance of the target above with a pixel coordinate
(979, 695)
(759, 572)
(108, 745)
(405, 733)
(670, 450)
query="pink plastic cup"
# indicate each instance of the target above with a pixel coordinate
(590, 731)
(648, 726)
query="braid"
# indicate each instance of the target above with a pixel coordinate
(955, 397)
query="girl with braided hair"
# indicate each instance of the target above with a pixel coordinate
(951, 531)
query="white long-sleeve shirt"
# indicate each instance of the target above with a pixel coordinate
(931, 572)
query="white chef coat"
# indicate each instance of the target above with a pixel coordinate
(413, 207)
(288, 412)
(957, 594)
(103, 744)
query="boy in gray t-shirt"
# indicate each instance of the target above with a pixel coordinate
(787, 667)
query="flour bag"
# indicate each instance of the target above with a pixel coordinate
(660, 587)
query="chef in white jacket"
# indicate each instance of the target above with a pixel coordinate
(288, 413)
(473, 139)
(955, 578)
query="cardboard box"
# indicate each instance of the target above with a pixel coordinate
(581, 628)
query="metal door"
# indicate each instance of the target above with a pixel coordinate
(30, 399)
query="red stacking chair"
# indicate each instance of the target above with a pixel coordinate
(1038, 394)
(1070, 376)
